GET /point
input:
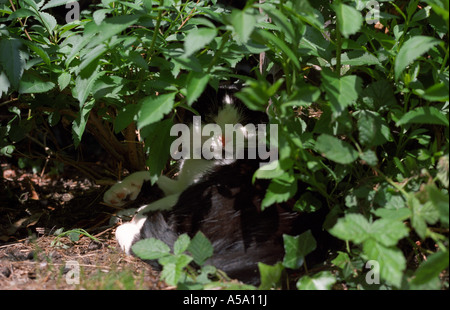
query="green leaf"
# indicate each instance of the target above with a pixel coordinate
(297, 248)
(196, 84)
(110, 27)
(153, 108)
(421, 14)
(83, 86)
(280, 189)
(200, 248)
(371, 126)
(411, 50)
(353, 227)
(20, 13)
(393, 214)
(359, 58)
(31, 84)
(336, 149)
(312, 41)
(159, 141)
(79, 124)
(256, 95)
(48, 21)
(54, 3)
(436, 92)
(270, 275)
(283, 23)
(305, 96)
(19, 129)
(417, 222)
(39, 51)
(323, 280)
(125, 117)
(74, 236)
(205, 274)
(64, 80)
(4, 84)
(443, 169)
(388, 232)
(391, 260)
(349, 19)
(441, 7)
(78, 43)
(7, 150)
(181, 244)
(308, 202)
(54, 118)
(107, 86)
(379, 95)
(243, 23)
(344, 262)
(99, 15)
(150, 249)
(88, 58)
(342, 91)
(440, 202)
(431, 268)
(370, 157)
(266, 36)
(424, 115)
(33, 4)
(270, 171)
(11, 60)
(197, 39)
(138, 60)
(421, 215)
(173, 266)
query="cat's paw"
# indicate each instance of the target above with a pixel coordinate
(126, 190)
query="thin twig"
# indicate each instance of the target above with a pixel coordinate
(8, 101)
(189, 16)
(20, 21)
(338, 48)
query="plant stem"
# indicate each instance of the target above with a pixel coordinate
(21, 23)
(338, 48)
(155, 31)
(444, 63)
(217, 54)
(390, 181)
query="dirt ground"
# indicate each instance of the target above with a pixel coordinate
(35, 209)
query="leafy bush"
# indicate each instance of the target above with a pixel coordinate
(176, 264)
(361, 107)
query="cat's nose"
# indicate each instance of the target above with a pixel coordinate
(222, 140)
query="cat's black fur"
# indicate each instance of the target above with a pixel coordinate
(225, 205)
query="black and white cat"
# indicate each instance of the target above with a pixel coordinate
(218, 198)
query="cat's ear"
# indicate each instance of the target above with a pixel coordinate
(207, 103)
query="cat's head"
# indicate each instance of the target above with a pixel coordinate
(223, 126)
(222, 105)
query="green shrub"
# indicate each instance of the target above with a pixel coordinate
(362, 107)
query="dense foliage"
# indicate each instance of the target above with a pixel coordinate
(359, 90)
